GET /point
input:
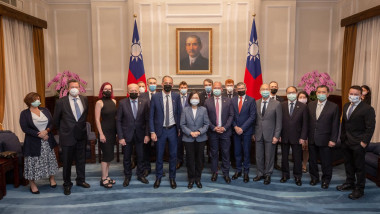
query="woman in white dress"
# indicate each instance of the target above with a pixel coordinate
(40, 161)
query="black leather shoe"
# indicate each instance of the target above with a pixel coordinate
(356, 194)
(143, 180)
(190, 185)
(67, 190)
(227, 179)
(199, 184)
(325, 185)
(36, 192)
(246, 178)
(126, 182)
(179, 164)
(314, 182)
(298, 181)
(173, 184)
(278, 167)
(284, 179)
(214, 177)
(236, 175)
(345, 187)
(258, 178)
(84, 184)
(267, 180)
(157, 183)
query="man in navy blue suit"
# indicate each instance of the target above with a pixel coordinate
(184, 97)
(165, 113)
(220, 113)
(244, 118)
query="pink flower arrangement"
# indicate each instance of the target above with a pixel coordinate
(310, 81)
(61, 80)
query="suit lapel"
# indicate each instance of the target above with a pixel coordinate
(68, 106)
(173, 102)
(295, 110)
(129, 106)
(161, 101)
(323, 112)
(356, 109)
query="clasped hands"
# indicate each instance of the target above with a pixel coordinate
(43, 134)
(219, 129)
(195, 134)
(123, 143)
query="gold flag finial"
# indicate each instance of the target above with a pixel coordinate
(134, 15)
(254, 15)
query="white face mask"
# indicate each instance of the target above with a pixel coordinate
(364, 93)
(353, 98)
(230, 89)
(142, 89)
(303, 100)
(74, 92)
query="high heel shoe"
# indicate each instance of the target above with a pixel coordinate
(53, 186)
(37, 192)
(106, 185)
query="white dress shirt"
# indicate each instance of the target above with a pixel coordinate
(242, 102)
(72, 105)
(194, 111)
(294, 105)
(171, 114)
(262, 104)
(220, 110)
(322, 105)
(354, 105)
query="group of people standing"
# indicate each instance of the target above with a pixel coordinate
(224, 119)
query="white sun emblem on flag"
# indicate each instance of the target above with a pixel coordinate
(136, 52)
(253, 50)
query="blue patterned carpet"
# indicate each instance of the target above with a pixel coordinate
(218, 197)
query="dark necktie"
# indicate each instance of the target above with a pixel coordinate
(229, 95)
(264, 108)
(350, 110)
(77, 109)
(167, 111)
(134, 110)
(291, 109)
(183, 101)
(272, 98)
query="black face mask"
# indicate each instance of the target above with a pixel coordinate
(107, 94)
(241, 93)
(273, 90)
(133, 96)
(167, 88)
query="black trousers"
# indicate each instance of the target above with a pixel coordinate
(127, 151)
(180, 148)
(77, 151)
(354, 163)
(297, 158)
(326, 161)
(146, 157)
(194, 159)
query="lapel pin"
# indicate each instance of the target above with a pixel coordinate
(297, 106)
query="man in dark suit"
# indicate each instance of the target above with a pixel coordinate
(184, 97)
(194, 60)
(293, 134)
(230, 89)
(273, 85)
(358, 125)
(132, 124)
(70, 115)
(267, 133)
(220, 113)
(207, 93)
(323, 135)
(244, 118)
(149, 148)
(165, 113)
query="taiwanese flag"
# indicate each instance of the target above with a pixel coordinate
(253, 77)
(136, 66)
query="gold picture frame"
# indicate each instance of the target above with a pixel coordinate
(192, 56)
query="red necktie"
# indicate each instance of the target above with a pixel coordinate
(217, 111)
(240, 104)
(208, 95)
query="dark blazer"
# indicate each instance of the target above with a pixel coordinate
(187, 100)
(70, 130)
(127, 125)
(156, 116)
(190, 124)
(279, 99)
(203, 97)
(294, 127)
(360, 126)
(145, 95)
(247, 117)
(227, 115)
(32, 143)
(326, 128)
(200, 63)
(234, 93)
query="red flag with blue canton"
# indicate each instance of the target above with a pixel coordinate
(136, 65)
(253, 77)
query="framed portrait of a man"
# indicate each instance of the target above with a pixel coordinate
(194, 50)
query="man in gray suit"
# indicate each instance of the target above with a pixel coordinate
(268, 131)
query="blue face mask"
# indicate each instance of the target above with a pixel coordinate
(217, 92)
(152, 87)
(208, 89)
(194, 102)
(265, 93)
(183, 91)
(292, 97)
(321, 97)
(36, 103)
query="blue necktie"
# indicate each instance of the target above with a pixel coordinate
(77, 109)
(183, 101)
(291, 108)
(134, 110)
(350, 111)
(167, 111)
